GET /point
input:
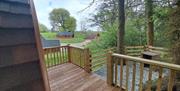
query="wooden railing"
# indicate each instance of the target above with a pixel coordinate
(81, 57)
(129, 62)
(98, 58)
(56, 55)
(134, 50)
(64, 54)
(137, 50)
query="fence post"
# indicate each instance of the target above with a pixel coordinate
(87, 63)
(69, 53)
(109, 69)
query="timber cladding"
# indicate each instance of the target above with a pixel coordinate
(20, 66)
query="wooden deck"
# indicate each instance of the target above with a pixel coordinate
(69, 77)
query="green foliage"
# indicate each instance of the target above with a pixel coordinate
(108, 38)
(49, 35)
(43, 28)
(70, 24)
(61, 20)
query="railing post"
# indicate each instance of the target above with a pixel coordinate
(69, 53)
(109, 69)
(87, 63)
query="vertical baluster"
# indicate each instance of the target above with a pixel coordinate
(49, 57)
(127, 75)
(45, 57)
(134, 76)
(55, 61)
(65, 60)
(110, 69)
(60, 55)
(159, 83)
(57, 55)
(150, 78)
(171, 80)
(54, 54)
(62, 52)
(121, 74)
(72, 55)
(141, 76)
(52, 59)
(116, 73)
(80, 58)
(66, 54)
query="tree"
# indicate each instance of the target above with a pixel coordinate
(61, 20)
(70, 24)
(175, 38)
(121, 32)
(43, 28)
(150, 25)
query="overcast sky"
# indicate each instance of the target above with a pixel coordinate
(44, 7)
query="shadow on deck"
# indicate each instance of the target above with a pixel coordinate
(69, 77)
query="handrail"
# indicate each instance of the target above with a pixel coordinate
(64, 54)
(128, 62)
(146, 61)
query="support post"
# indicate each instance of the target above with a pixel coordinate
(109, 69)
(87, 63)
(69, 53)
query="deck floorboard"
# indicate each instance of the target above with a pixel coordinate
(69, 77)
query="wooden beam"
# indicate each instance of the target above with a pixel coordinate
(109, 69)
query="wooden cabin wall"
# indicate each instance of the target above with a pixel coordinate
(20, 65)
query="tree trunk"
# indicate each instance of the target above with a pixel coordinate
(150, 25)
(121, 32)
(175, 39)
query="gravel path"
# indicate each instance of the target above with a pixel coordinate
(103, 71)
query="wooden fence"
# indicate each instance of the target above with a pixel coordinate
(56, 55)
(128, 61)
(98, 58)
(68, 54)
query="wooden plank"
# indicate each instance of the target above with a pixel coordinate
(149, 85)
(18, 1)
(159, 83)
(11, 37)
(70, 77)
(87, 63)
(39, 48)
(109, 69)
(171, 80)
(116, 72)
(141, 76)
(14, 8)
(134, 76)
(8, 20)
(17, 55)
(18, 75)
(127, 75)
(121, 75)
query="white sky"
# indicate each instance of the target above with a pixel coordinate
(44, 7)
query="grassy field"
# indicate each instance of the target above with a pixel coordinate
(49, 35)
(79, 37)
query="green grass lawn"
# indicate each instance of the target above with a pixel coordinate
(78, 38)
(49, 35)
